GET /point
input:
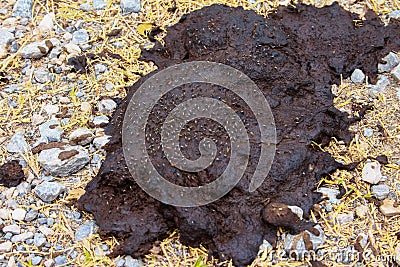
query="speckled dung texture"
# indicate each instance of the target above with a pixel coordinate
(293, 56)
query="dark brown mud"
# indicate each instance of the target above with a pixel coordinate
(294, 57)
(11, 174)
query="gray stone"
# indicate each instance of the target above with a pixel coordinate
(85, 230)
(80, 37)
(330, 193)
(37, 49)
(36, 260)
(109, 87)
(371, 172)
(100, 120)
(129, 6)
(4, 214)
(39, 240)
(120, 262)
(46, 230)
(396, 73)
(81, 136)
(12, 88)
(48, 191)
(49, 263)
(60, 260)
(345, 218)
(47, 24)
(13, 228)
(100, 68)
(107, 106)
(51, 130)
(6, 246)
(395, 14)
(357, 76)
(21, 237)
(31, 215)
(18, 214)
(51, 109)
(41, 76)
(368, 132)
(6, 37)
(100, 142)
(23, 8)
(85, 7)
(18, 143)
(99, 4)
(50, 161)
(54, 53)
(380, 85)
(131, 262)
(392, 60)
(380, 191)
(73, 254)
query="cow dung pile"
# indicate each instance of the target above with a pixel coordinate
(294, 56)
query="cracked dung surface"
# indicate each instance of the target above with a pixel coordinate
(294, 57)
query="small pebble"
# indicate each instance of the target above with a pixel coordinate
(392, 60)
(380, 191)
(39, 240)
(18, 214)
(36, 260)
(107, 106)
(21, 237)
(60, 260)
(345, 218)
(80, 37)
(14, 229)
(48, 191)
(85, 230)
(45, 230)
(100, 120)
(5, 246)
(129, 6)
(368, 132)
(357, 76)
(388, 207)
(371, 172)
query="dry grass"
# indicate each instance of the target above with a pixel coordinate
(34, 97)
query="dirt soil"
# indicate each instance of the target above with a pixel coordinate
(294, 56)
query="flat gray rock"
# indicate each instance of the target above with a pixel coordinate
(81, 136)
(395, 14)
(85, 230)
(63, 161)
(49, 191)
(107, 106)
(380, 191)
(18, 143)
(36, 50)
(6, 37)
(129, 6)
(392, 60)
(23, 8)
(51, 131)
(79, 37)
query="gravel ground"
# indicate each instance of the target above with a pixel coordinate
(52, 120)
